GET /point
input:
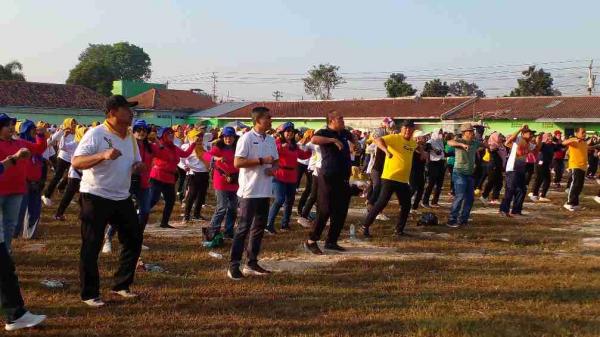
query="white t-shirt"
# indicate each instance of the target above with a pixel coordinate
(512, 157)
(314, 163)
(110, 179)
(73, 173)
(253, 181)
(195, 164)
(66, 144)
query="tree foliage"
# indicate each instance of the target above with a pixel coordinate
(435, 88)
(12, 71)
(535, 83)
(464, 88)
(396, 86)
(321, 81)
(101, 64)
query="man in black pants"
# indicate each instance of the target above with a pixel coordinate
(256, 156)
(108, 155)
(399, 150)
(333, 195)
(542, 169)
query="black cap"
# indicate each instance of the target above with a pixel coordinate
(117, 101)
(409, 123)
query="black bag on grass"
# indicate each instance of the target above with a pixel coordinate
(428, 219)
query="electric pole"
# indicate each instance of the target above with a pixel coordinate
(214, 86)
(591, 79)
(277, 94)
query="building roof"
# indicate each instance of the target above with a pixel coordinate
(406, 107)
(49, 95)
(220, 110)
(170, 99)
(546, 107)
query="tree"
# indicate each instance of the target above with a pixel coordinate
(435, 88)
(101, 64)
(397, 87)
(535, 83)
(12, 71)
(322, 80)
(464, 88)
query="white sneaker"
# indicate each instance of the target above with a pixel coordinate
(47, 202)
(569, 207)
(304, 222)
(382, 217)
(597, 199)
(107, 248)
(125, 293)
(145, 247)
(28, 320)
(533, 198)
(94, 302)
(543, 199)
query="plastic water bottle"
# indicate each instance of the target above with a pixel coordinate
(215, 255)
(352, 231)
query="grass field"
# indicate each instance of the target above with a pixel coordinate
(533, 276)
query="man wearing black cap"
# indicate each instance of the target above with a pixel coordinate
(108, 155)
(399, 150)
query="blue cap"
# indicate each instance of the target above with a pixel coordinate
(287, 125)
(162, 131)
(26, 126)
(5, 118)
(140, 124)
(228, 131)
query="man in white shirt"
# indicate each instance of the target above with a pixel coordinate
(256, 156)
(107, 155)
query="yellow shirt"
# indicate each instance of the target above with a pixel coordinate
(578, 156)
(398, 167)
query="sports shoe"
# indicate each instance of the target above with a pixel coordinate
(424, 205)
(144, 247)
(255, 270)
(94, 302)
(452, 224)
(107, 247)
(335, 247)
(304, 222)
(126, 293)
(365, 231)
(235, 274)
(46, 201)
(569, 207)
(534, 198)
(270, 231)
(382, 217)
(167, 226)
(544, 199)
(313, 248)
(28, 320)
(505, 214)
(597, 199)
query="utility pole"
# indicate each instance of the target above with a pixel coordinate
(591, 79)
(214, 86)
(277, 94)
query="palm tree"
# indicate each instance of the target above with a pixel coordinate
(12, 71)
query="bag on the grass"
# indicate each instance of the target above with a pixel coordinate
(428, 219)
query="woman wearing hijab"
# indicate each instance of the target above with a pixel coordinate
(496, 168)
(197, 172)
(164, 172)
(66, 147)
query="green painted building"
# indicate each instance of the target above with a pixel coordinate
(133, 88)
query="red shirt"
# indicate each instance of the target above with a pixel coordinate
(14, 178)
(288, 162)
(219, 181)
(166, 158)
(147, 158)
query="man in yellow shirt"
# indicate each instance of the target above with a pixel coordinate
(399, 150)
(578, 163)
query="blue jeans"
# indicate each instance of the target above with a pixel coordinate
(31, 208)
(9, 212)
(464, 189)
(284, 193)
(227, 202)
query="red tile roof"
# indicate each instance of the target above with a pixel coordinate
(49, 95)
(170, 99)
(370, 108)
(531, 108)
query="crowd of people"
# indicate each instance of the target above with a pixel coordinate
(122, 169)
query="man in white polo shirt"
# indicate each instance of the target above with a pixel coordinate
(256, 157)
(107, 155)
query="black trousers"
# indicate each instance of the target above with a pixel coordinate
(542, 180)
(168, 192)
(72, 188)
(436, 170)
(96, 213)
(253, 216)
(450, 170)
(494, 183)
(301, 171)
(417, 186)
(592, 165)
(375, 189)
(403, 193)
(575, 186)
(307, 191)
(312, 198)
(181, 182)
(196, 193)
(529, 170)
(10, 293)
(62, 167)
(516, 190)
(333, 199)
(559, 170)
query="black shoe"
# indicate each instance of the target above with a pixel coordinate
(235, 274)
(334, 246)
(255, 270)
(452, 224)
(401, 235)
(313, 248)
(365, 232)
(228, 236)
(187, 219)
(166, 226)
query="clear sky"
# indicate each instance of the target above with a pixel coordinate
(257, 47)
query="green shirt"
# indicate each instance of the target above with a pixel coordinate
(464, 162)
